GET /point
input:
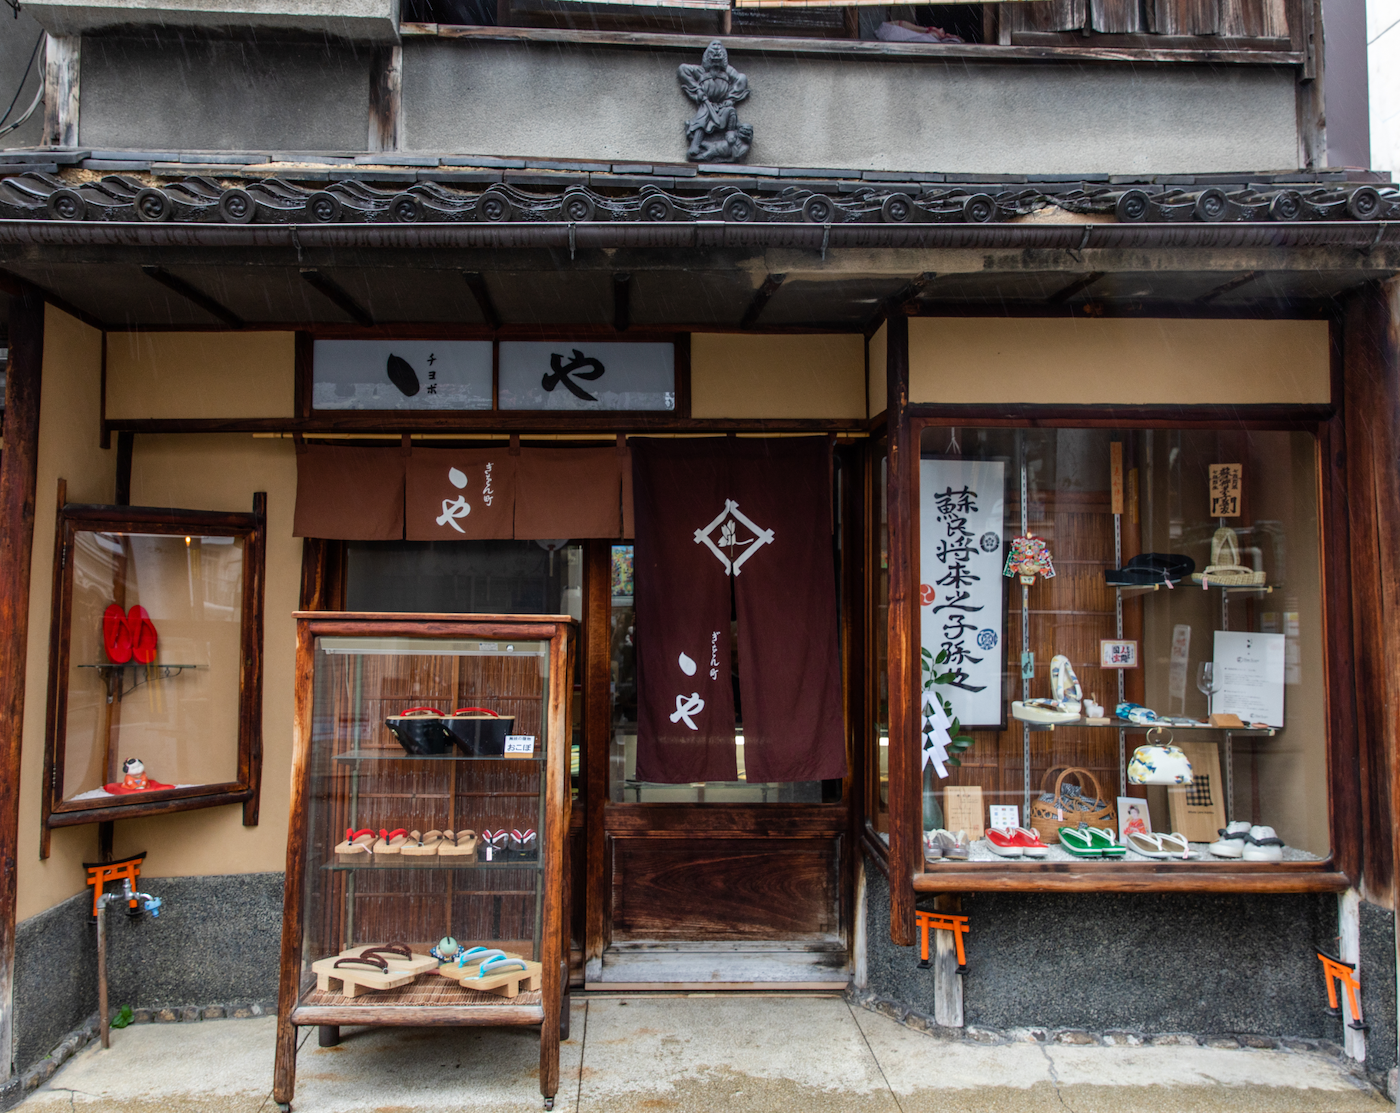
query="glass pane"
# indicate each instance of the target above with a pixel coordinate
(473, 577)
(1248, 641)
(155, 656)
(879, 806)
(376, 767)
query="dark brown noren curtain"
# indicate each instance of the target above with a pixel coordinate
(754, 517)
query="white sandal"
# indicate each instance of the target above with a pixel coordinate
(1262, 844)
(1151, 845)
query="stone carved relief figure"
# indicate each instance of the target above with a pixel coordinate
(716, 87)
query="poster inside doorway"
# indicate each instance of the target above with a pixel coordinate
(962, 506)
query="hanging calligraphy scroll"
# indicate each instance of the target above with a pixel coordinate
(961, 595)
(582, 375)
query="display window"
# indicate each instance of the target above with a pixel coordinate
(155, 691)
(1122, 644)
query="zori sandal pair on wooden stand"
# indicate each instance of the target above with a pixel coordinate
(1064, 705)
(366, 847)
(371, 968)
(491, 970)
(510, 846)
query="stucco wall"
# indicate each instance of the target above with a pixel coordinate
(166, 93)
(817, 376)
(1126, 362)
(552, 101)
(199, 374)
(69, 423)
(221, 473)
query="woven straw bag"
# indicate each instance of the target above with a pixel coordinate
(1225, 568)
(1045, 815)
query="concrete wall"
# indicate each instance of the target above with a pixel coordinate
(16, 46)
(216, 942)
(553, 101)
(1152, 963)
(160, 92)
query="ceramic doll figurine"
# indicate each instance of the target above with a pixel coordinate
(134, 779)
(446, 950)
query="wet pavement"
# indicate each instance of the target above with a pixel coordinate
(736, 1053)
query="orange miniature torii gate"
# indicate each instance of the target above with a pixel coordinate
(1335, 970)
(941, 921)
(98, 875)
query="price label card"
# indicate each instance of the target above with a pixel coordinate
(1005, 815)
(523, 744)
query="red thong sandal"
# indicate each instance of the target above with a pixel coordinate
(143, 635)
(116, 635)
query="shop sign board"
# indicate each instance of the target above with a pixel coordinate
(962, 506)
(401, 375)
(583, 375)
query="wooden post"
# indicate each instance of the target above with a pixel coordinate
(597, 744)
(18, 470)
(1371, 408)
(386, 98)
(284, 1075)
(62, 68)
(905, 816)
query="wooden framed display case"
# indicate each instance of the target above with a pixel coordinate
(354, 673)
(155, 656)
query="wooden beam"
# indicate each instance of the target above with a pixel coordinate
(194, 295)
(597, 739)
(1225, 287)
(62, 70)
(18, 472)
(385, 98)
(622, 301)
(126, 444)
(334, 292)
(905, 814)
(761, 297)
(477, 285)
(1083, 282)
(1371, 409)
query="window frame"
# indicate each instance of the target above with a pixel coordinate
(1339, 870)
(245, 789)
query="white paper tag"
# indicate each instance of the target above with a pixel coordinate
(520, 743)
(1004, 815)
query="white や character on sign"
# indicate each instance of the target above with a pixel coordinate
(686, 706)
(452, 509)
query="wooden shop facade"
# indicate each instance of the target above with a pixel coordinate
(748, 470)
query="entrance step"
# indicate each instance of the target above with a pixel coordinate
(636, 965)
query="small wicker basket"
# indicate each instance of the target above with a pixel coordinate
(1045, 815)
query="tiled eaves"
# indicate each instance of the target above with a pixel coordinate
(297, 187)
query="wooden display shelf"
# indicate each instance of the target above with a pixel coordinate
(431, 1000)
(400, 755)
(1132, 877)
(326, 901)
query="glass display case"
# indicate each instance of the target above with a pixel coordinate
(429, 810)
(1083, 587)
(155, 700)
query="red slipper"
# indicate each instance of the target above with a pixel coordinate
(143, 634)
(116, 636)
